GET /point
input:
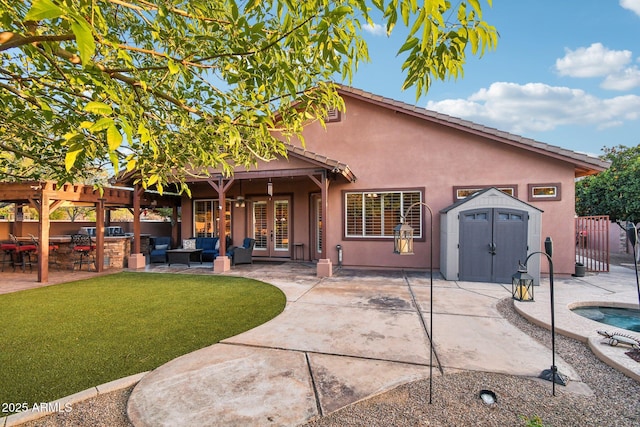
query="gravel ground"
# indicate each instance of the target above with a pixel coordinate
(455, 402)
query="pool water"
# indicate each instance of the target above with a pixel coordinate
(625, 318)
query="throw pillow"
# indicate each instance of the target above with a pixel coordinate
(189, 244)
(217, 245)
(161, 247)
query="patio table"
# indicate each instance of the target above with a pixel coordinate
(184, 256)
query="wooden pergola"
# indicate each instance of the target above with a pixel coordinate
(47, 196)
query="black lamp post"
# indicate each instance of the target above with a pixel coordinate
(632, 235)
(403, 245)
(551, 374)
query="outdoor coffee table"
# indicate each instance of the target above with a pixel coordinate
(184, 256)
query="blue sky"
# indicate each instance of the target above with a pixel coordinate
(566, 73)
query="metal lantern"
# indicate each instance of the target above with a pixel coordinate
(403, 239)
(522, 285)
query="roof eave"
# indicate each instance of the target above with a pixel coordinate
(584, 164)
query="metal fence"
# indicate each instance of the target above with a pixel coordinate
(592, 242)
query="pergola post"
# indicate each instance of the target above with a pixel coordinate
(222, 263)
(43, 233)
(100, 235)
(136, 259)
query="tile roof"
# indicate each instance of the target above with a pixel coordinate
(333, 165)
(584, 164)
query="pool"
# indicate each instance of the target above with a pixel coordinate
(625, 318)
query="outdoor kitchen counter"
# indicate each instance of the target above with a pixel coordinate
(117, 250)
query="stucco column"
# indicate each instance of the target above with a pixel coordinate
(324, 267)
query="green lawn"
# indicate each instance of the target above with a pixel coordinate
(58, 340)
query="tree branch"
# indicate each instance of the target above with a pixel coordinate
(30, 99)
(10, 39)
(185, 14)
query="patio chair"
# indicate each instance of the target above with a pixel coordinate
(82, 248)
(159, 246)
(242, 254)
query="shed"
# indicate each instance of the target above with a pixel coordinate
(484, 236)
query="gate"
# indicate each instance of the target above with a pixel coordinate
(592, 242)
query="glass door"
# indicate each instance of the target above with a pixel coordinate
(316, 237)
(271, 219)
(206, 216)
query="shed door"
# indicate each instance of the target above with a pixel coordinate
(492, 241)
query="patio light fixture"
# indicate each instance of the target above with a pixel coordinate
(524, 281)
(403, 245)
(522, 285)
(403, 239)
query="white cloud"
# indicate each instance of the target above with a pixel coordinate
(593, 61)
(627, 79)
(536, 107)
(375, 29)
(632, 5)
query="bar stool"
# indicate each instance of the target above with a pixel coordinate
(83, 247)
(53, 251)
(24, 254)
(8, 252)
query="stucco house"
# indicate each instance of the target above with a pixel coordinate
(351, 182)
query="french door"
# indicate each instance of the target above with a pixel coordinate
(271, 227)
(316, 220)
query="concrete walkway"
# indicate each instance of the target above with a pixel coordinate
(357, 334)
(340, 340)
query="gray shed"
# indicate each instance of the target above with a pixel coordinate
(484, 236)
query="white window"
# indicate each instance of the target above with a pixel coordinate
(374, 214)
(206, 215)
(544, 191)
(460, 193)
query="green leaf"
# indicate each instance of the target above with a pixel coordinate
(84, 38)
(114, 161)
(145, 136)
(70, 158)
(409, 44)
(101, 124)
(98, 108)
(174, 68)
(43, 9)
(114, 137)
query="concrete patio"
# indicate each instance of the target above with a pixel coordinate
(354, 335)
